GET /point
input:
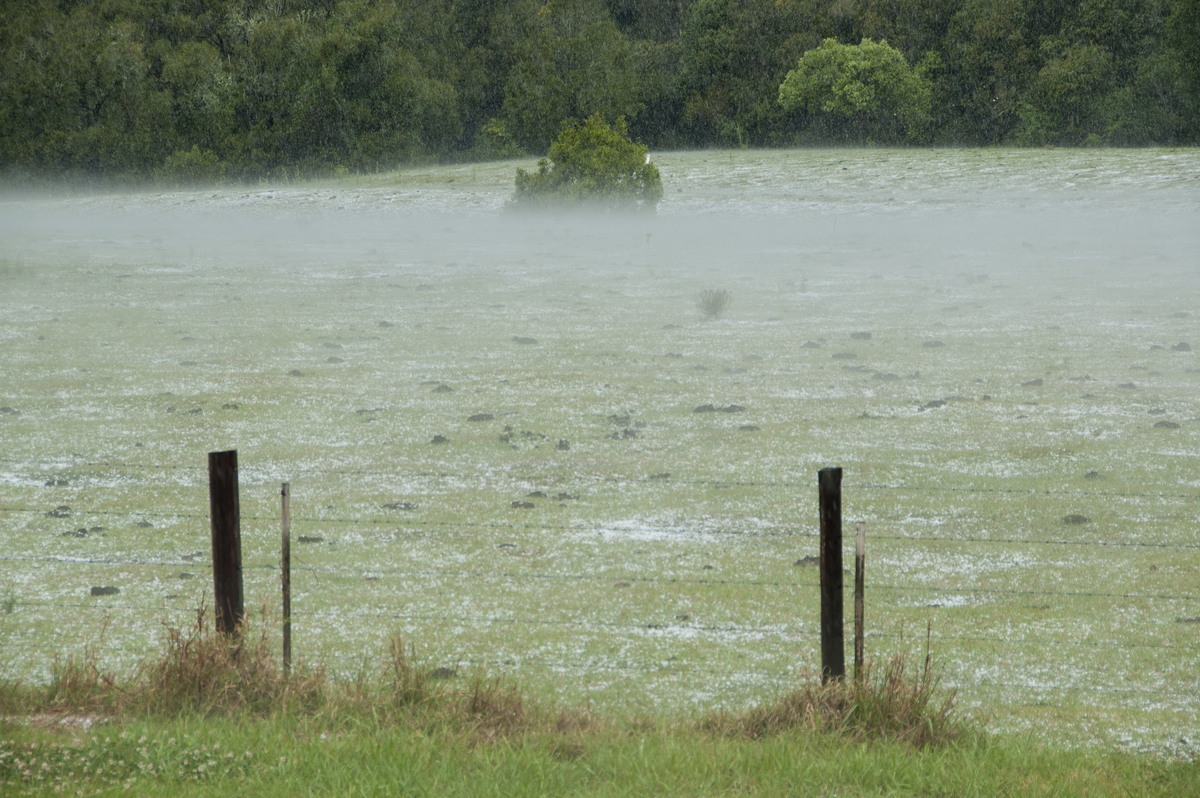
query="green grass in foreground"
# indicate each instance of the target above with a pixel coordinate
(211, 718)
(287, 756)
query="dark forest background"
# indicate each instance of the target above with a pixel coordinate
(241, 89)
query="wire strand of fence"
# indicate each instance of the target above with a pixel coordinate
(417, 524)
(584, 624)
(632, 625)
(1057, 593)
(603, 577)
(766, 583)
(1066, 688)
(539, 576)
(1037, 642)
(108, 607)
(173, 563)
(266, 474)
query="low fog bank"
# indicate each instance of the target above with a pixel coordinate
(1007, 241)
(851, 211)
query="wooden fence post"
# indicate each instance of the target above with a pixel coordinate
(860, 561)
(286, 577)
(226, 540)
(833, 644)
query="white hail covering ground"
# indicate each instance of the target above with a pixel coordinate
(997, 346)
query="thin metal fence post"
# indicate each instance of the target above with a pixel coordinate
(860, 561)
(285, 571)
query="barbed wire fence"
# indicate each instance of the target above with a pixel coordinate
(37, 642)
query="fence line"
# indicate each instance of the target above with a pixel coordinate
(782, 531)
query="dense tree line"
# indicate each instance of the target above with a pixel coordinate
(203, 89)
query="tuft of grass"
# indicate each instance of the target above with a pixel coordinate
(78, 682)
(889, 702)
(485, 709)
(205, 672)
(497, 710)
(713, 302)
(408, 685)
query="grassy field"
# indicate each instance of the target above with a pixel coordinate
(493, 432)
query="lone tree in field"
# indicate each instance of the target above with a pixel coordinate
(592, 164)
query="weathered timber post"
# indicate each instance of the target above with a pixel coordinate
(860, 561)
(833, 644)
(226, 540)
(285, 571)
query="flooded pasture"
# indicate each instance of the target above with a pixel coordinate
(516, 442)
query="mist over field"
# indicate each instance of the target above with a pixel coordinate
(750, 206)
(514, 438)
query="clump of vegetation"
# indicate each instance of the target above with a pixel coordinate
(107, 763)
(867, 91)
(425, 732)
(192, 167)
(211, 673)
(592, 164)
(713, 302)
(890, 703)
(202, 672)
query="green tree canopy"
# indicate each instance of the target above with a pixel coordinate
(592, 164)
(1067, 98)
(573, 60)
(192, 90)
(867, 90)
(733, 55)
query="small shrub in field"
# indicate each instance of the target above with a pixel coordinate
(592, 164)
(713, 302)
(192, 167)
